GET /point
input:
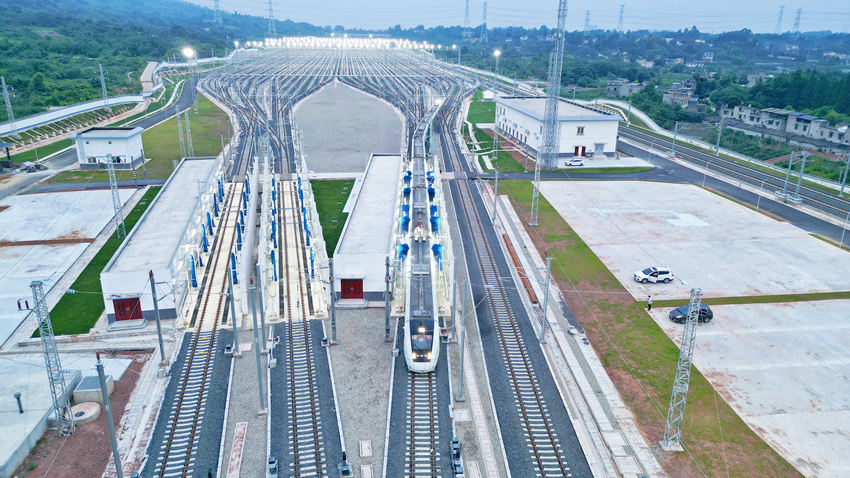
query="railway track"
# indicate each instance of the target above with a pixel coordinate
(821, 200)
(541, 438)
(306, 442)
(422, 456)
(176, 454)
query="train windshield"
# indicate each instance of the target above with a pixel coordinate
(421, 337)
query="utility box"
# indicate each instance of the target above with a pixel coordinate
(89, 389)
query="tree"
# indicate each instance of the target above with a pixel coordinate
(729, 95)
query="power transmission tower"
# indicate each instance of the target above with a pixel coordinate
(549, 149)
(587, 21)
(796, 27)
(620, 19)
(190, 150)
(272, 30)
(116, 200)
(216, 13)
(10, 114)
(778, 28)
(672, 440)
(61, 403)
(180, 136)
(484, 25)
(102, 83)
(466, 32)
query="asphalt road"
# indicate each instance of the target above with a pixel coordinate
(669, 171)
(23, 181)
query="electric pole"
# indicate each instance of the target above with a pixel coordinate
(672, 440)
(102, 83)
(271, 30)
(549, 149)
(216, 13)
(796, 27)
(778, 28)
(116, 199)
(9, 113)
(190, 150)
(55, 377)
(484, 25)
(620, 18)
(466, 32)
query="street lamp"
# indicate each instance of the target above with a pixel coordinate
(189, 53)
(496, 55)
(454, 47)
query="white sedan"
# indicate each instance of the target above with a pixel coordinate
(654, 274)
(574, 162)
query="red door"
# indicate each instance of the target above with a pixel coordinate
(127, 309)
(351, 288)
(579, 151)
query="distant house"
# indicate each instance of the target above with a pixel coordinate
(789, 126)
(695, 64)
(622, 87)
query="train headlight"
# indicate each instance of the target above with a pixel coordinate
(428, 355)
(421, 329)
(413, 354)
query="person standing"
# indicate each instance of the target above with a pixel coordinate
(648, 302)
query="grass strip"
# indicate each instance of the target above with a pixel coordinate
(77, 313)
(330, 196)
(755, 299)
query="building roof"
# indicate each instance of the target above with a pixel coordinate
(116, 132)
(567, 110)
(778, 111)
(152, 242)
(369, 228)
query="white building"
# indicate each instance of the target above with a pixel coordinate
(366, 239)
(584, 130)
(122, 145)
(167, 240)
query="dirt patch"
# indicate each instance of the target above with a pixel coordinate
(3, 208)
(47, 242)
(87, 452)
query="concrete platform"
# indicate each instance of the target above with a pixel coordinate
(25, 374)
(75, 217)
(785, 369)
(359, 124)
(707, 240)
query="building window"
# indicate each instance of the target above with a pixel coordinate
(580, 131)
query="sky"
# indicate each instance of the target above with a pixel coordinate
(709, 16)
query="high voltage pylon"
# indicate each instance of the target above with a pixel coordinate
(796, 28)
(672, 440)
(55, 377)
(484, 25)
(216, 13)
(778, 28)
(116, 199)
(102, 83)
(620, 19)
(272, 30)
(466, 32)
(587, 21)
(549, 149)
(9, 112)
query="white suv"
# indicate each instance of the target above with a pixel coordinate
(654, 274)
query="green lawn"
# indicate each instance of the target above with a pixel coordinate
(77, 313)
(41, 151)
(330, 197)
(641, 359)
(162, 146)
(481, 111)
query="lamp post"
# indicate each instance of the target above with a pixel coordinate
(454, 47)
(189, 53)
(496, 55)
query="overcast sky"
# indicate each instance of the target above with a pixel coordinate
(709, 16)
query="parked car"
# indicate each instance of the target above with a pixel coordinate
(654, 274)
(574, 162)
(679, 314)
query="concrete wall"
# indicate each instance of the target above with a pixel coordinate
(369, 267)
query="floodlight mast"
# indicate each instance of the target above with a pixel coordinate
(549, 149)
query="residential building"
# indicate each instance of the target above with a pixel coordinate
(622, 87)
(789, 126)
